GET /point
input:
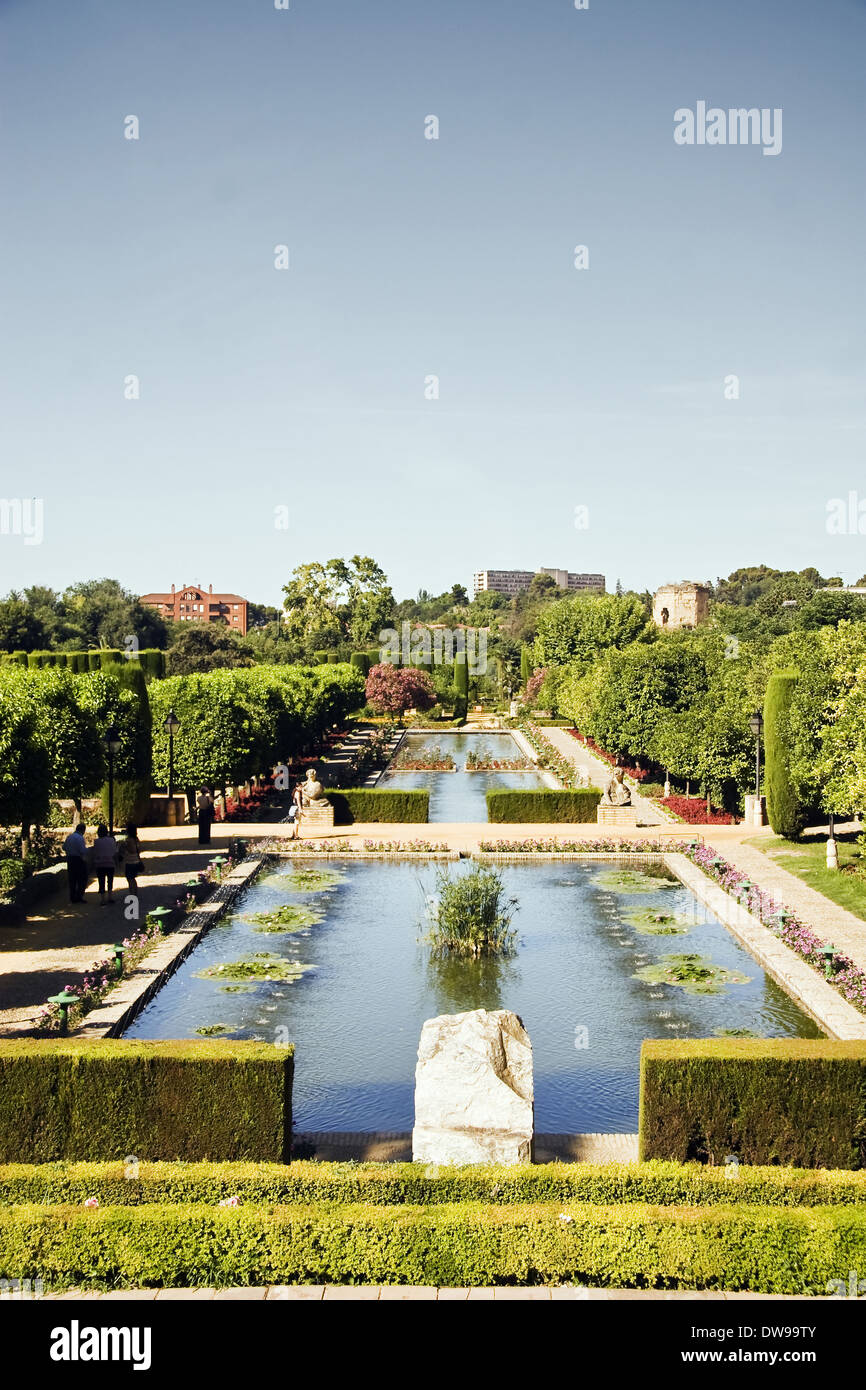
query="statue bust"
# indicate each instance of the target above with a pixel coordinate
(616, 793)
(312, 790)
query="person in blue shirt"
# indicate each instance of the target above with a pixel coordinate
(75, 849)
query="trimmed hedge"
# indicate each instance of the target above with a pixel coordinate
(368, 804)
(785, 812)
(395, 1184)
(768, 1250)
(779, 1100)
(543, 807)
(80, 1099)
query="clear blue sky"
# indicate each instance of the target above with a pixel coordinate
(409, 257)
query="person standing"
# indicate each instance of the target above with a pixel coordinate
(130, 853)
(105, 863)
(75, 849)
(205, 809)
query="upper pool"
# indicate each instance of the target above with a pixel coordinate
(578, 981)
(461, 796)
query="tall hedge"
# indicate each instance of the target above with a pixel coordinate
(784, 809)
(791, 1101)
(369, 804)
(103, 1099)
(461, 687)
(543, 807)
(776, 1250)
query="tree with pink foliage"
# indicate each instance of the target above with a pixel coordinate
(394, 689)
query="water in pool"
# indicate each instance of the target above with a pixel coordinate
(577, 980)
(457, 797)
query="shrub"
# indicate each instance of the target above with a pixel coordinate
(361, 661)
(103, 1099)
(131, 800)
(543, 807)
(394, 689)
(394, 1184)
(768, 1250)
(152, 662)
(12, 874)
(470, 914)
(370, 804)
(778, 1100)
(784, 810)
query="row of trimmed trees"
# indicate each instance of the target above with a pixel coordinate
(233, 724)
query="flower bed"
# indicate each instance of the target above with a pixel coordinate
(551, 758)
(427, 760)
(638, 774)
(693, 810)
(485, 762)
(404, 847)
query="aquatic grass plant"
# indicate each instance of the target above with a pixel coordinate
(470, 914)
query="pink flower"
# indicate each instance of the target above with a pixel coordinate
(92, 1202)
(230, 1202)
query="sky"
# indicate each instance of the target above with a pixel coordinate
(284, 415)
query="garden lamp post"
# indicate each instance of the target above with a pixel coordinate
(171, 726)
(756, 724)
(111, 741)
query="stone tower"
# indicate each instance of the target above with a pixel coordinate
(681, 605)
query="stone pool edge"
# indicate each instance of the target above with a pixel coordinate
(815, 996)
(130, 996)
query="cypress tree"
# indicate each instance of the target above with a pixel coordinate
(784, 808)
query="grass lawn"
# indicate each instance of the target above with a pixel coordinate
(807, 858)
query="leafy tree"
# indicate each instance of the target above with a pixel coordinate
(342, 599)
(578, 630)
(205, 647)
(101, 613)
(20, 628)
(25, 772)
(395, 689)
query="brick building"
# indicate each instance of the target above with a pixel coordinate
(191, 604)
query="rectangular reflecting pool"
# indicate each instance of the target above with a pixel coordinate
(352, 979)
(459, 797)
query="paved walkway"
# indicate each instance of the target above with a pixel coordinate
(60, 940)
(599, 772)
(833, 923)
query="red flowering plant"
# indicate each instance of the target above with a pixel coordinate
(693, 810)
(395, 689)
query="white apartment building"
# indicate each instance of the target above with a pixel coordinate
(513, 581)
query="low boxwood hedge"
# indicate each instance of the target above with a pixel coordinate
(392, 1184)
(367, 804)
(777, 1250)
(81, 1099)
(779, 1100)
(543, 807)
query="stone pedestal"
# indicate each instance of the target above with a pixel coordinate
(616, 815)
(166, 810)
(317, 817)
(755, 810)
(473, 1090)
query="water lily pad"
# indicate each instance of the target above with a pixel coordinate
(734, 1033)
(310, 880)
(212, 1030)
(289, 917)
(652, 922)
(234, 989)
(693, 973)
(260, 966)
(632, 881)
